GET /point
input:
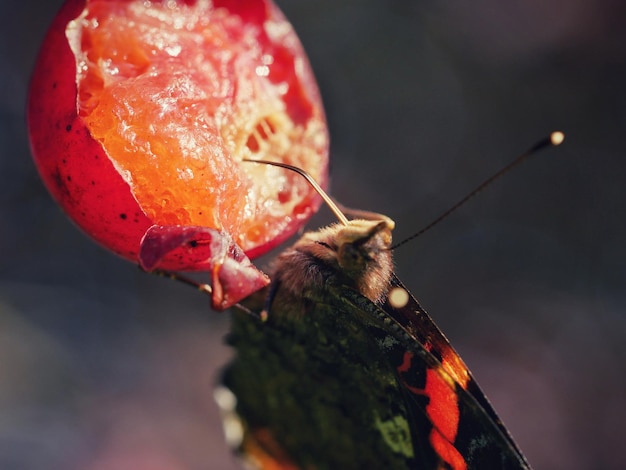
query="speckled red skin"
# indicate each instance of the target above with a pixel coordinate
(82, 179)
(74, 167)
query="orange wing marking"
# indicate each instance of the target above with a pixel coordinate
(442, 410)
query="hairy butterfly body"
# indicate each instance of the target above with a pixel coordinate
(344, 375)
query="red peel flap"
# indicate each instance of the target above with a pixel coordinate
(233, 276)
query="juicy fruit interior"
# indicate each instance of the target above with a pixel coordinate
(178, 95)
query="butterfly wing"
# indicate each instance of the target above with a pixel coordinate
(351, 385)
(479, 429)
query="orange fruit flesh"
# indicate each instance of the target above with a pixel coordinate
(178, 95)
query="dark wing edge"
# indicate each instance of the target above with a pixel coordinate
(422, 330)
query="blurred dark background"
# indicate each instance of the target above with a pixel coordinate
(103, 367)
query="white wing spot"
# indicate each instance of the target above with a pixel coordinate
(398, 297)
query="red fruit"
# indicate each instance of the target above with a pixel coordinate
(140, 114)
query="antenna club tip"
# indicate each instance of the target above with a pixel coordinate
(557, 138)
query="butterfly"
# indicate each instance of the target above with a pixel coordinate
(349, 371)
(339, 366)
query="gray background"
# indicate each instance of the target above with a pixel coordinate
(103, 367)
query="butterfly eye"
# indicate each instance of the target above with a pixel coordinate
(324, 244)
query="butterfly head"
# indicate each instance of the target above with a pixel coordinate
(357, 253)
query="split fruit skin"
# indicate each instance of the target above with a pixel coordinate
(94, 189)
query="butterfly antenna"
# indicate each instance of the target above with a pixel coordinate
(329, 202)
(554, 139)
